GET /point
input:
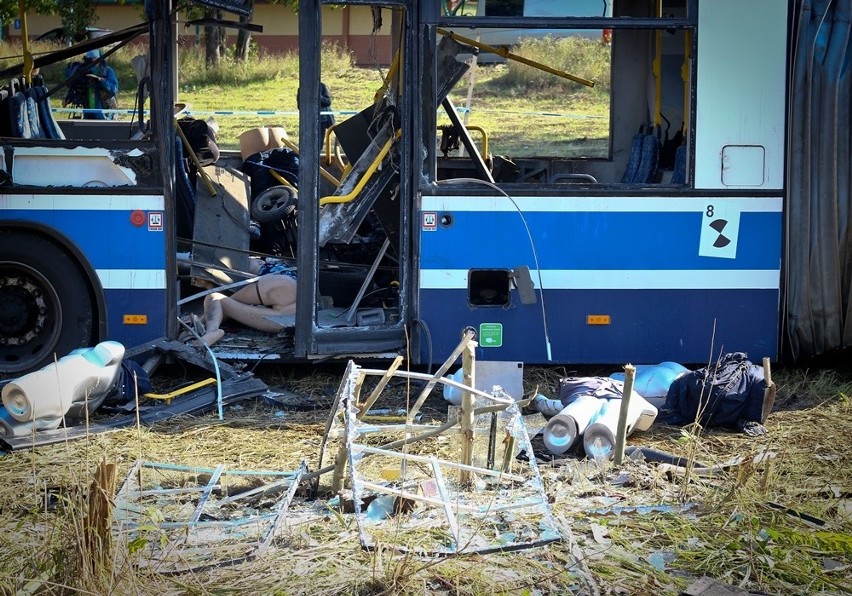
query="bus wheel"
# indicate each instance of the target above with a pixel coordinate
(45, 303)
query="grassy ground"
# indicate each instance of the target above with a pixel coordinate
(779, 522)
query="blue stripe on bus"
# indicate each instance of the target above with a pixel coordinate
(107, 238)
(595, 240)
(647, 326)
(150, 303)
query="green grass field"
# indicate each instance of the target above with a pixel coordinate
(525, 112)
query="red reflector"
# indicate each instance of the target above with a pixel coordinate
(137, 218)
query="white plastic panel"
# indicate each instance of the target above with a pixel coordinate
(742, 57)
(78, 167)
(743, 165)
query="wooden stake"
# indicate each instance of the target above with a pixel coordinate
(468, 403)
(379, 388)
(768, 393)
(621, 432)
(97, 535)
(339, 469)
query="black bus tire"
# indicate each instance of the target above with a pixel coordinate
(46, 304)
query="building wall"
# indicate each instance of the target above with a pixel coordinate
(349, 27)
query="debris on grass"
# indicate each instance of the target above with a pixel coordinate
(718, 526)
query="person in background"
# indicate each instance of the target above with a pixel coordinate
(92, 85)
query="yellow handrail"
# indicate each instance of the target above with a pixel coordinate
(328, 152)
(194, 158)
(388, 78)
(657, 68)
(359, 186)
(484, 134)
(25, 39)
(168, 397)
(503, 52)
(684, 74)
(281, 179)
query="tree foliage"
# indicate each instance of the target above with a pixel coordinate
(9, 8)
(76, 15)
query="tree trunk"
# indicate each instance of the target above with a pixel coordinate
(243, 39)
(213, 41)
(211, 45)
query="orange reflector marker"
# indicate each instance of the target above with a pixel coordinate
(135, 319)
(598, 320)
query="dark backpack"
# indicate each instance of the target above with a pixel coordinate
(721, 395)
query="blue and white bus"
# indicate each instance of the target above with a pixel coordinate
(693, 215)
(661, 229)
(86, 215)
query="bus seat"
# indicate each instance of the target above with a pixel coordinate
(679, 170)
(644, 158)
(39, 93)
(5, 110)
(635, 158)
(647, 172)
(184, 194)
(30, 110)
(17, 114)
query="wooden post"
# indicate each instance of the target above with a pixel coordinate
(339, 469)
(467, 405)
(342, 452)
(769, 392)
(365, 407)
(621, 432)
(98, 537)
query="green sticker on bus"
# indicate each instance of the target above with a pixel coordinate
(491, 335)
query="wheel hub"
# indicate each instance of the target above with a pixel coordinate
(22, 310)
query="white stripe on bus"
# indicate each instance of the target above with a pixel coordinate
(665, 279)
(132, 279)
(48, 202)
(563, 204)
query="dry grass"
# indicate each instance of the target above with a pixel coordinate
(728, 527)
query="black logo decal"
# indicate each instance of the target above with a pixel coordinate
(719, 225)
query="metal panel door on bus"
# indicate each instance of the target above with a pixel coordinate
(741, 94)
(624, 279)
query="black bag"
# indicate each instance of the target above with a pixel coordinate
(201, 139)
(725, 395)
(282, 160)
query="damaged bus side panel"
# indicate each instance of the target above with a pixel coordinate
(655, 235)
(88, 206)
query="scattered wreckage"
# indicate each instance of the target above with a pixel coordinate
(468, 485)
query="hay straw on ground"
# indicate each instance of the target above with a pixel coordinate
(728, 532)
